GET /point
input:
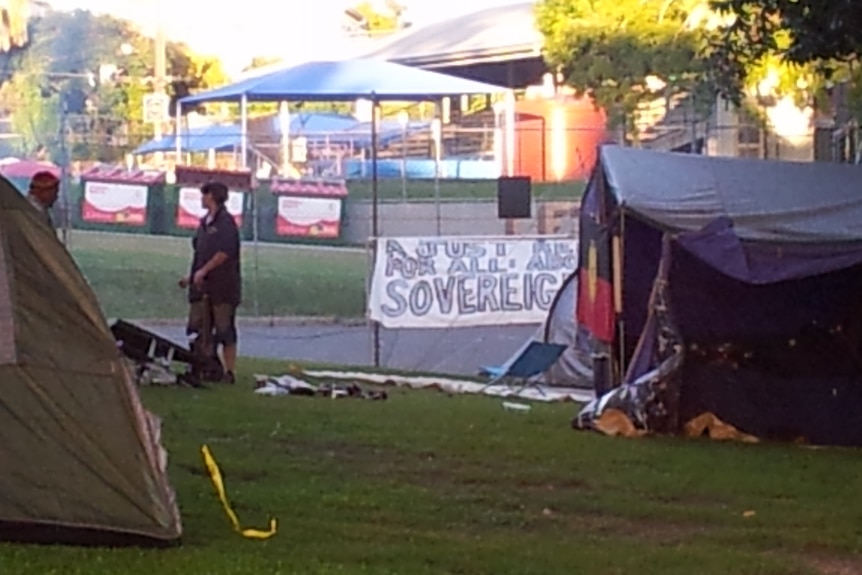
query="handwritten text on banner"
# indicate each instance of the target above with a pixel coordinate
(463, 281)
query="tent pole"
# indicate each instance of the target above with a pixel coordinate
(177, 129)
(437, 136)
(618, 251)
(243, 113)
(66, 227)
(254, 208)
(255, 230)
(284, 118)
(374, 199)
(510, 132)
(375, 111)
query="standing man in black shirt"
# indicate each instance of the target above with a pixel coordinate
(215, 281)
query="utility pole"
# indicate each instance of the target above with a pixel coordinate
(64, 172)
(159, 83)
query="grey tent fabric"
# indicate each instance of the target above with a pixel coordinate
(80, 458)
(7, 325)
(767, 201)
(573, 369)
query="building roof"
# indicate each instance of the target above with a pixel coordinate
(503, 33)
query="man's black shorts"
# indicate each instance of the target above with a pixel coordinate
(223, 321)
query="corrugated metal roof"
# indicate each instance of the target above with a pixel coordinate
(492, 35)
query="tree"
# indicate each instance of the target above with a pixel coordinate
(54, 64)
(817, 31)
(113, 70)
(14, 20)
(191, 72)
(375, 20)
(261, 62)
(617, 50)
(810, 43)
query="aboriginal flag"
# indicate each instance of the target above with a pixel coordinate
(595, 284)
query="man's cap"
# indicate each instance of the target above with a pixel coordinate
(44, 181)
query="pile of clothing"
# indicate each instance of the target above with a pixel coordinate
(293, 385)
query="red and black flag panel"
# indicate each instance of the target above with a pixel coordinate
(595, 277)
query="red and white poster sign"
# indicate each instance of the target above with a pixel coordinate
(190, 211)
(308, 217)
(112, 203)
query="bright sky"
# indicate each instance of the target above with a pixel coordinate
(238, 31)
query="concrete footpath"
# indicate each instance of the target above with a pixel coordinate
(453, 351)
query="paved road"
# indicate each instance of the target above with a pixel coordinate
(452, 351)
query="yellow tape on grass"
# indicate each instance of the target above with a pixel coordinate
(218, 483)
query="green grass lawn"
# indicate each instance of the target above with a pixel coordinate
(429, 484)
(393, 189)
(135, 277)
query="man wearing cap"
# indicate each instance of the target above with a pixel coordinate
(215, 281)
(43, 192)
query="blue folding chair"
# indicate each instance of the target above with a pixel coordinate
(534, 360)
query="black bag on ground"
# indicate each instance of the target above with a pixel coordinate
(206, 366)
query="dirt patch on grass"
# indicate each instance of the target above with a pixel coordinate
(691, 500)
(823, 562)
(615, 527)
(835, 566)
(471, 476)
(430, 468)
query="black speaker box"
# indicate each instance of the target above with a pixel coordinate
(514, 195)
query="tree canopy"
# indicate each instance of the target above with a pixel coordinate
(615, 50)
(14, 19)
(811, 42)
(102, 81)
(817, 30)
(810, 39)
(379, 20)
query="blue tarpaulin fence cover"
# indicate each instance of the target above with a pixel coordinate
(318, 129)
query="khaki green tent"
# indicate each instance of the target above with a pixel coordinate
(80, 458)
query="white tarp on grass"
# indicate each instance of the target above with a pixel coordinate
(450, 385)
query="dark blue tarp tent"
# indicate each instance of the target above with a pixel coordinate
(725, 286)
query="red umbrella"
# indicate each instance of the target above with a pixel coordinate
(14, 168)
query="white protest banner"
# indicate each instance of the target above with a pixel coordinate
(468, 281)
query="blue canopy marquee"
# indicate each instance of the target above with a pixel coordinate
(347, 80)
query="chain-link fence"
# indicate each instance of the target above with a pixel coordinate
(308, 256)
(455, 196)
(304, 263)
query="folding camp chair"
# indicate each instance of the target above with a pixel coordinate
(534, 360)
(152, 354)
